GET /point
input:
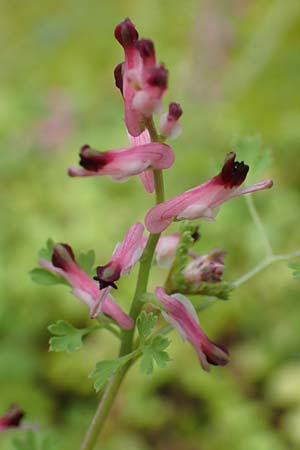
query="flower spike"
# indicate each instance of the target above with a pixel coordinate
(124, 257)
(203, 201)
(140, 79)
(181, 314)
(121, 164)
(83, 287)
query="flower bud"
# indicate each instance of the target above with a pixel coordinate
(126, 34)
(208, 268)
(169, 125)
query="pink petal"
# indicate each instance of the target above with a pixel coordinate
(110, 308)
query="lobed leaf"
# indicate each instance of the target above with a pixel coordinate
(154, 351)
(67, 338)
(45, 278)
(105, 370)
(86, 261)
(46, 252)
(145, 324)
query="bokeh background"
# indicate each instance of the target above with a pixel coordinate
(234, 66)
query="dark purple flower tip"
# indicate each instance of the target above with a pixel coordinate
(12, 418)
(118, 73)
(175, 111)
(158, 76)
(107, 275)
(216, 355)
(233, 172)
(145, 48)
(91, 159)
(196, 235)
(126, 33)
(62, 256)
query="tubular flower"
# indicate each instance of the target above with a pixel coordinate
(165, 249)
(203, 201)
(181, 314)
(123, 163)
(169, 124)
(141, 81)
(84, 288)
(125, 256)
(146, 177)
(208, 268)
(12, 418)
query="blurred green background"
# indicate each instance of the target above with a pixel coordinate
(234, 66)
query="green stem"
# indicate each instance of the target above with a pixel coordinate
(127, 336)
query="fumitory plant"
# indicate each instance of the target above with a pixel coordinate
(143, 336)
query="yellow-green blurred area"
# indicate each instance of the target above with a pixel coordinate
(234, 67)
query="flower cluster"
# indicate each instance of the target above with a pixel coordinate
(142, 83)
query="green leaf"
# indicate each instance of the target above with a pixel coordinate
(106, 369)
(46, 252)
(86, 261)
(145, 323)
(34, 441)
(46, 278)
(249, 149)
(154, 351)
(295, 266)
(29, 442)
(67, 338)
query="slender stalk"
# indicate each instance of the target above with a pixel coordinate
(259, 225)
(127, 336)
(262, 265)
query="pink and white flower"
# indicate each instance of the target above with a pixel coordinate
(203, 201)
(12, 418)
(169, 122)
(125, 256)
(123, 163)
(181, 314)
(165, 250)
(147, 176)
(141, 81)
(84, 288)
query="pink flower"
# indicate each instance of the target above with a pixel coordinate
(203, 201)
(123, 163)
(208, 268)
(127, 36)
(125, 256)
(146, 177)
(84, 288)
(181, 314)
(169, 124)
(166, 249)
(141, 81)
(12, 418)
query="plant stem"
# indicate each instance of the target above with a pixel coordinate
(127, 336)
(262, 265)
(259, 225)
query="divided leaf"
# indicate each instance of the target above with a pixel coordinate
(67, 338)
(106, 369)
(46, 252)
(155, 350)
(46, 278)
(32, 441)
(86, 261)
(295, 266)
(28, 443)
(145, 323)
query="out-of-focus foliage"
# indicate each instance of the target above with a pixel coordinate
(235, 69)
